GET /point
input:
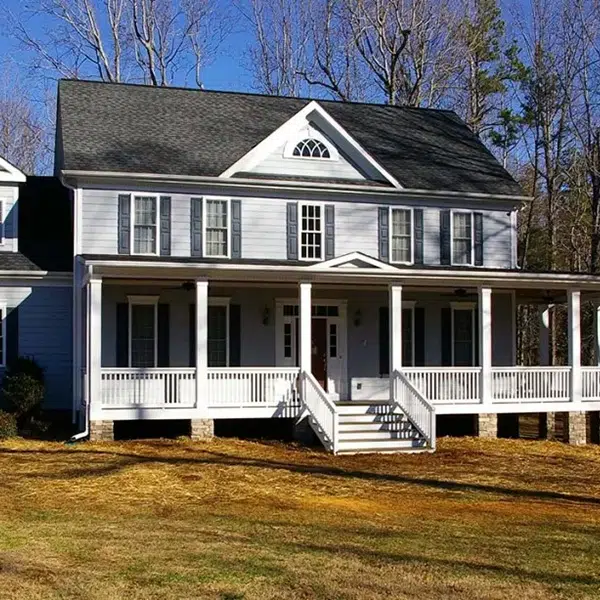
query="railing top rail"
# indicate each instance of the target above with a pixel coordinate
(136, 370)
(591, 369)
(413, 389)
(317, 387)
(441, 369)
(561, 369)
(253, 370)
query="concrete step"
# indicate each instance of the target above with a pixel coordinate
(379, 445)
(397, 425)
(367, 418)
(362, 408)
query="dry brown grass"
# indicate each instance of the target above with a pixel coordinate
(239, 520)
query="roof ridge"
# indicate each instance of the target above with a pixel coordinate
(255, 94)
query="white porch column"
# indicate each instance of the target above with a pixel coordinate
(485, 343)
(544, 341)
(597, 333)
(94, 364)
(201, 346)
(395, 304)
(574, 305)
(305, 327)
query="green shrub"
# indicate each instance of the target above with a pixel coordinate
(23, 394)
(8, 425)
(26, 365)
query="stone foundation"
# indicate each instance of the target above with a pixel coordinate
(487, 425)
(303, 432)
(102, 431)
(202, 429)
(554, 427)
(576, 428)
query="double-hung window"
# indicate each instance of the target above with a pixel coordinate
(311, 232)
(216, 228)
(145, 224)
(462, 238)
(218, 335)
(401, 238)
(143, 337)
(463, 337)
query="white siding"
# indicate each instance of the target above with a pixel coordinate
(10, 217)
(497, 240)
(264, 228)
(431, 236)
(356, 228)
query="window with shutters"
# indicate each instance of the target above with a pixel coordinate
(143, 328)
(311, 234)
(218, 335)
(145, 212)
(401, 235)
(217, 227)
(462, 238)
(463, 337)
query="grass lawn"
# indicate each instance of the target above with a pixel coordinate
(235, 520)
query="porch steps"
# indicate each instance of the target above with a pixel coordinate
(372, 427)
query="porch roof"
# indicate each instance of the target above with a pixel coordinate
(355, 269)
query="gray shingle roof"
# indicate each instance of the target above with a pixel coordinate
(15, 261)
(135, 128)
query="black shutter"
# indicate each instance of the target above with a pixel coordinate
(235, 335)
(419, 336)
(445, 235)
(163, 336)
(122, 334)
(384, 234)
(384, 341)
(124, 224)
(329, 231)
(236, 229)
(12, 335)
(196, 226)
(418, 228)
(192, 336)
(292, 231)
(476, 338)
(478, 238)
(446, 337)
(165, 225)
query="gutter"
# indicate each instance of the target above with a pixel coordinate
(299, 186)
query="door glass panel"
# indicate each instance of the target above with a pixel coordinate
(217, 336)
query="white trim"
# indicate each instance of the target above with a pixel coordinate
(452, 213)
(463, 306)
(271, 142)
(142, 301)
(392, 209)
(3, 308)
(132, 197)
(309, 133)
(321, 206)
(3, 220)
(10, 173)
(347, 258)
(205, 222)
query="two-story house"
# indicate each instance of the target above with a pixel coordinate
(353, 265)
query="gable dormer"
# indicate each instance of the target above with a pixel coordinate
(10, 179)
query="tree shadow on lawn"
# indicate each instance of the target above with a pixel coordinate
(124, 460)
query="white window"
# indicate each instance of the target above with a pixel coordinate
(145, 224)
(311, 148)
(143, 327)
(463, 337)
(311, 232)
(401, 235)
(216, 227)
(462, 238)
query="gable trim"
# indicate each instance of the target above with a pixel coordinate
(10, 173)
(339, 261)
(289, 128)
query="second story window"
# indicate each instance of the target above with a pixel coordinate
(216, 232)
(311, 232)
(462, 238)
(401, 235)
(145, 224)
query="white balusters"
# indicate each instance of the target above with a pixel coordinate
(530, 384)
(451, 385)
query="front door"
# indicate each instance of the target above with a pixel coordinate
(318, 351)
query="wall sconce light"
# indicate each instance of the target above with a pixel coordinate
(265, 316)
(357, 318)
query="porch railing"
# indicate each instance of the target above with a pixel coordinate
(148, 387)
(531, 384)
(322, 410)
(415, 406)
(590, 383)
(446, 385)
(252, 387)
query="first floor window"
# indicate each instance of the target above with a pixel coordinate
(145, 224)
(463, 334)
(407, 337)
(311, 232)
(143, 335)
(217, 224)
(462, 238)
(401, 235)
(217, 336)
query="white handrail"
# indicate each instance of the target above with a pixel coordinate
(530, 384)
(322, 410)
(415, 406)
(446, 385)
(590, 383)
